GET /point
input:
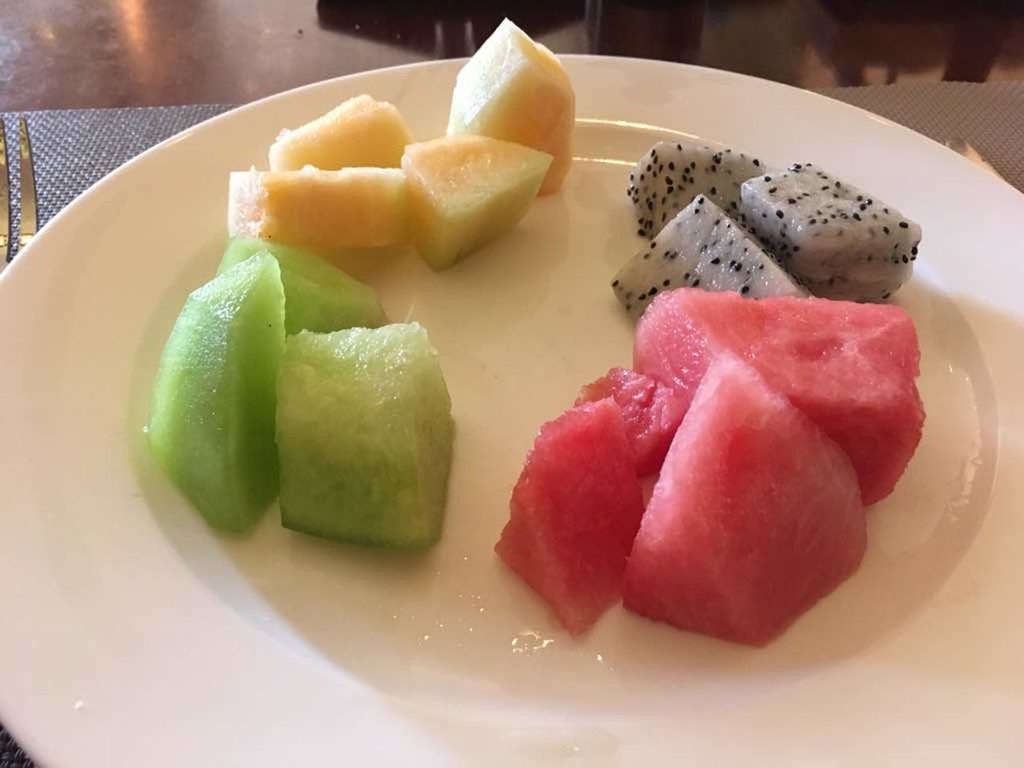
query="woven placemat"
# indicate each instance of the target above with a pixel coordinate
(988, 116)
(75, 148)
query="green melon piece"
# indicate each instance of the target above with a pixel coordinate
(211, 422)
(364, 435)
(318, 295)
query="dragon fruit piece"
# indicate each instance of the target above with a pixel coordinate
(701, 248)
(837, 240)
(671, 174)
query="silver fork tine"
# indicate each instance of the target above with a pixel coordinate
(29, 218)
(5, 201)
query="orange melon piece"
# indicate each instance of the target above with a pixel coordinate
(360, 132)
(330, 210)
(465, 191)
(514, 89)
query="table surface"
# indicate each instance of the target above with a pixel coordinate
(110, 53)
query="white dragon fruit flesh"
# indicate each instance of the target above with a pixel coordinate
(701, 248)
(671, 174)
(837, 240)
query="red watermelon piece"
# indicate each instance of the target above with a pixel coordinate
(574, 513)
(850, 367)
(651, 411)
(755, 516)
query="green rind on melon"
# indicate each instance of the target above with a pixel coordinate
(364, 433)
(211, 423)
(318, 295)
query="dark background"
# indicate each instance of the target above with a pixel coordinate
(105, 53)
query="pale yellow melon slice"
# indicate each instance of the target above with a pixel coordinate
(516, 90)
(349, 208)
(466, 190)
(359, 132)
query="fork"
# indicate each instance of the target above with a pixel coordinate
(29, 214)
(5, 200)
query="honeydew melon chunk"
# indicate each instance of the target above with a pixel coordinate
(211, 422)
(516, 90)
(361, 131)
(364, 434)
(318, 295)
(328, 210)
(465, 191)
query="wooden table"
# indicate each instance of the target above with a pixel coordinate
(105, 53)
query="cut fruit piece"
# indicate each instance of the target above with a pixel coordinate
(318, 296)
(850, 367)
(838, 240)
(364, 433)
(701, 247)
(756, 515)
(669, 175)
(651, 412)
(516, 90)
(211, 422)
(575, 510)
(465, 191)
(350, 208)
(359, 132)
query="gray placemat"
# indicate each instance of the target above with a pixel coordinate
(988, 116)
(75, 148)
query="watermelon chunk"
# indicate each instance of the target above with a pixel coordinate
(755, 516)
(575, 510)
(651, 412)
(850, 367)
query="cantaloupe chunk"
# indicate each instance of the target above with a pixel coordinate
(516, 90)
(349, 208)
(465, 191)
(359, 132)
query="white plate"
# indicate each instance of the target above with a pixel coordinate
(133, 636)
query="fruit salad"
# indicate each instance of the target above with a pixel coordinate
(769, 400)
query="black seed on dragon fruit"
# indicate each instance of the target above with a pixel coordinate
(837, 240)
(671, 174)
(701, 247)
